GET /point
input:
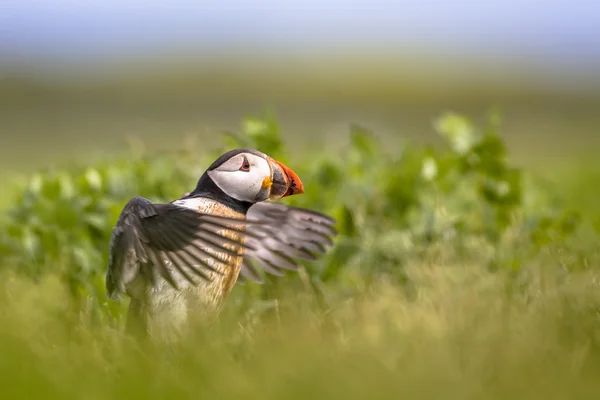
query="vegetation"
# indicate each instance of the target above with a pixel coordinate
(455, 274)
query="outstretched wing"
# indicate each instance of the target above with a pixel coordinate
(149, 233)
(281, 234)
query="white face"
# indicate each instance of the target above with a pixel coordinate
(242, 177)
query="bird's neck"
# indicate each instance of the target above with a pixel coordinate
(207, 188)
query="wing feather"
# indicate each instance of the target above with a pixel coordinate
(277, 233)
(272, 237)
(164, 234)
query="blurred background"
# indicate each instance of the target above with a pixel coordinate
(455, 271)
(78, 78)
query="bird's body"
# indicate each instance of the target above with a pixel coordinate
(164, 308)
(182, 259)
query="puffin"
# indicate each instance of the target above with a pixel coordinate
(180, 260)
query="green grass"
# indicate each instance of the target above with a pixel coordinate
(478, 281)
(456, 332)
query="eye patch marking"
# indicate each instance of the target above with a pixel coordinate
(245, 165)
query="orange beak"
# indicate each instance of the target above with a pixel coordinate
(285, 182)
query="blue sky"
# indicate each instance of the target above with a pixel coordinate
(61, 27)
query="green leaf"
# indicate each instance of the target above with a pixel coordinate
(345, 221)
(93, 178)
(457, 130)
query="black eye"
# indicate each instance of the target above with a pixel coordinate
(245, 165)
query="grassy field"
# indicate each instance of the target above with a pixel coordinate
(550, 113)
(467, 264)
(456, 332)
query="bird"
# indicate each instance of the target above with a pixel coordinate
(179, 259)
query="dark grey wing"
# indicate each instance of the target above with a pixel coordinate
(155, 234)
(282, 234)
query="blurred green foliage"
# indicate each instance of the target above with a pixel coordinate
(392, 206)
(455, 274)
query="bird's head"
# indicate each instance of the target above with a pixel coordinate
(249, 176)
